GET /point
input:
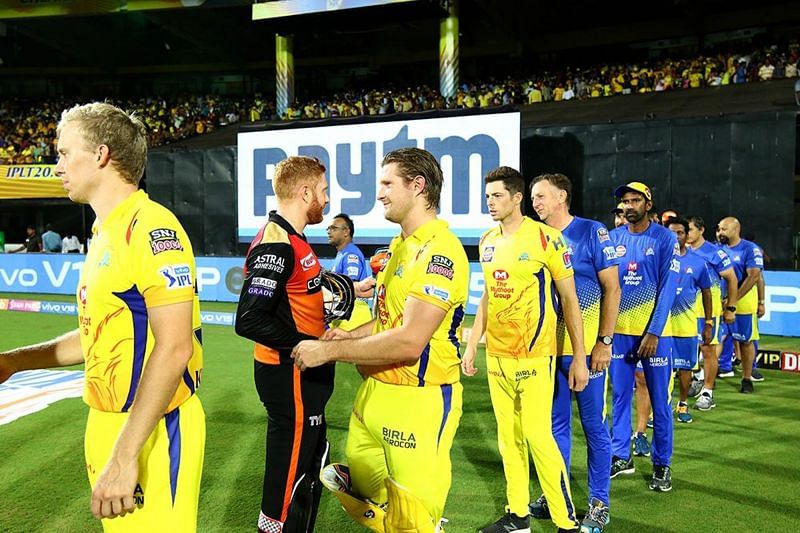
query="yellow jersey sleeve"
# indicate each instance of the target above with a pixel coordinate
(162, 258)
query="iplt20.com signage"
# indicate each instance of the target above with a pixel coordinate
(467, 148)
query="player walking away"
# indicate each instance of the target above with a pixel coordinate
(594, 260)
(748, 262)
(407, 409)
(522, 262)
(648, 270)
(349, 262)
(722, 274)
(280, 305)
(693, 277)
(138, 332)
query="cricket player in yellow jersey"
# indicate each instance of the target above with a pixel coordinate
(138, 332)
(407, 409)
(521, 261)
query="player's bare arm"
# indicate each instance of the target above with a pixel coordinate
(61, 351)
(753, 275)
(609, 309)
(340, 334)
(761, 301)
(707, 313)
(403, 344)
(172, 329)
(733, 294)
(578, 371)
(478, 328)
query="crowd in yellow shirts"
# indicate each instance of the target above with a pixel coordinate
(27, 128)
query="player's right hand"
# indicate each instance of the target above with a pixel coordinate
(729, 317)
(468, 361)
(6, 368)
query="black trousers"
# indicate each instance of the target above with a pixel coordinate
(296, 440)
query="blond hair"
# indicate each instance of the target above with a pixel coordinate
(293, 172)
(123, 133)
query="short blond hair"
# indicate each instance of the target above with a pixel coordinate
(123, 133)
(293, 172)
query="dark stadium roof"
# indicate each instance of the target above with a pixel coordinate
(226, 39)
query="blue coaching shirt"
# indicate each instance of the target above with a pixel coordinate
(718, 262)
(648, 271)
(351, 263)
(591, 250)
(693, 276)
(746, 255)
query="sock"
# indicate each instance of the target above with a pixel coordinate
(707, 391)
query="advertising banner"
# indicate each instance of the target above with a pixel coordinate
(467, 148)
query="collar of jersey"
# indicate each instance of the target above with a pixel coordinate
(121, 210)
(282, 222)
(427, 230)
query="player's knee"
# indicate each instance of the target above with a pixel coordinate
(406, 513)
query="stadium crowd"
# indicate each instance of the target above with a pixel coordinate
(27, 128)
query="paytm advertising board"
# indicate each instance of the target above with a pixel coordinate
(467, 147)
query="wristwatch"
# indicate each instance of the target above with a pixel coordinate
(605, 339)
(731, 308)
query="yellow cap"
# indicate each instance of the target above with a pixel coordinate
(634, 186)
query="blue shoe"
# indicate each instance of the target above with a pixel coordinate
(641, 446)
(683, 414)
(757, 376)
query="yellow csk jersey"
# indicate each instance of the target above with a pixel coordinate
(518, 271)
(429, 265)
(140, 257)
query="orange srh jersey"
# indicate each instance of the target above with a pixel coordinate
(518, 271)
(140, 257)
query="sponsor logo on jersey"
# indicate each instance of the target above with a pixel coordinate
(524, 257)
(658, 361)
(567, 259)
(308, 261)
(632, 276)
(441, 265)
(353, 258)
(689, 270)
(164, 240)
(488, 254)
(263, 282)
(177, 276)
(399, 439)
(610, 253)
(380, 303)
(649, 252)
(500, 275)
(82, 294)
(519, 375)
(105, 260)
(621, 250)
(602, 235)
(314, 284)
(269, 262)
(675, 265)
(437, 292)
(138, 495)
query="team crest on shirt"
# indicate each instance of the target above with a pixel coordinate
(567, 259)
(602, 235)
(164, 240)
(177, 276)
(488, 254)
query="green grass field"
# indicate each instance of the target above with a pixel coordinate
(734, 468)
